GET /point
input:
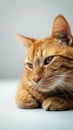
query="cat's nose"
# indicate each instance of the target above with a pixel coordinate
(36, 78)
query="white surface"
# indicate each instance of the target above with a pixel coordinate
(12, 118)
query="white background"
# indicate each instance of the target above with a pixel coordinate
(29, 17)
(12, 118)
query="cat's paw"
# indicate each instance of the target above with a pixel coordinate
(55, 103)
(25, 100)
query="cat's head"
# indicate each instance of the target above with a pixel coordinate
(49, 61)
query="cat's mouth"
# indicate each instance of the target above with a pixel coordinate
(44, 85)
(47, 84)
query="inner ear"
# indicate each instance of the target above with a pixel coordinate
(61, 30)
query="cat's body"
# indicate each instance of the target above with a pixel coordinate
(47, 79)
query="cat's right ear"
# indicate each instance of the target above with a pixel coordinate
(61, 30)
(25, 40)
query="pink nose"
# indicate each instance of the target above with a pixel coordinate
(36, 78)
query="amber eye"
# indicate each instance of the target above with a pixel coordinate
(30, 65)
(48, 60)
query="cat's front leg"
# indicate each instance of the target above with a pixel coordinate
(24, 99)
(55, 103)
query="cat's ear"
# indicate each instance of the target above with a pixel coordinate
(61, 30)
(25, 40)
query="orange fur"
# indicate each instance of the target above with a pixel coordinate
(47, 79)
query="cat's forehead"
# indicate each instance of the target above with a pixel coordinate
(44, 48)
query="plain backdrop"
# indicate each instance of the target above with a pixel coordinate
(28, 17)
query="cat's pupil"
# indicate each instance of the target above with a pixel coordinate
(48, 60)
(30, 65)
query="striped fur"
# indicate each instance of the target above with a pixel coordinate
(49, 85)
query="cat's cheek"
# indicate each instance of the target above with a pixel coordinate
(29, 83)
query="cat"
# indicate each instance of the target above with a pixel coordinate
(47, 80)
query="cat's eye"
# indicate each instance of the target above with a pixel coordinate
(48, 60)
(30, 65)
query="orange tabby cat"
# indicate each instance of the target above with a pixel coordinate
(47, 79)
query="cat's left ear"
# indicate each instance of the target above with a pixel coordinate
(25, 40)
(61, 30)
